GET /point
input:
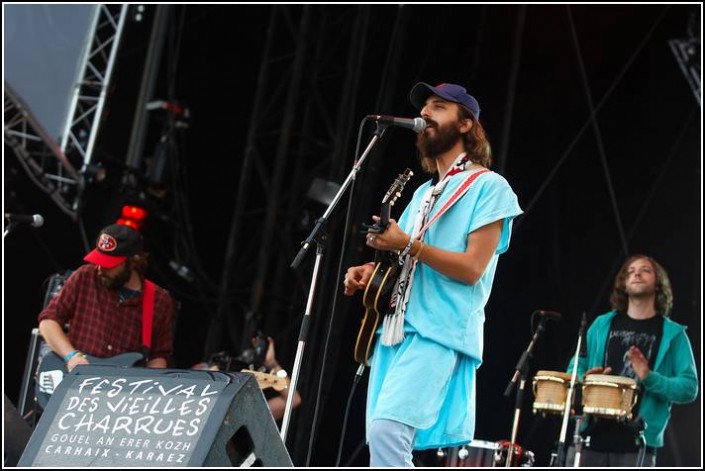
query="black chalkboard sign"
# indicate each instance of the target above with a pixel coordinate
(115, 417)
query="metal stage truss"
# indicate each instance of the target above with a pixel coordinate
(303, 125)
(60, 170)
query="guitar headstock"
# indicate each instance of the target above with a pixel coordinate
(268, 380)
(391, 196)
(395, 190)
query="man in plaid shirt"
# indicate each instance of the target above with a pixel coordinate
(102, 304)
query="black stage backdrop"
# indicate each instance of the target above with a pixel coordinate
(627, 181)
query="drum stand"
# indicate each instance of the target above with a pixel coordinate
(558, 458)
(641, 439)
(578, 441)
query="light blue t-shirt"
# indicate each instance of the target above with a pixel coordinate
(443, 309)
(428, 381)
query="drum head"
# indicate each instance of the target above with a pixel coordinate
(555, 375)
(619, 380)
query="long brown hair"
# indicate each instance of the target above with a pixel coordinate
(664, 295)
(476, 144)
(139, 262)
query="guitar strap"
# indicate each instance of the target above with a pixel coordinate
(147, 314)
(393, 323)
(460, 191)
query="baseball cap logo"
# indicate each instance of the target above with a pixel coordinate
(107, 243)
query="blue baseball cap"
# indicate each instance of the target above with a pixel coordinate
(448, 91)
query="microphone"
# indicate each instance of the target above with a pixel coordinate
(583, 340)
(261, 349)
(417, 124)
(550, 315)
(34, 220)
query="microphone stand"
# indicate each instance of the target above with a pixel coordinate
(8, 229)
(318, 237)
(520, 373)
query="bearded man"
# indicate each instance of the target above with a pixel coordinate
(101, 309)
(421, 391)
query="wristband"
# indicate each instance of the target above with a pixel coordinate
(70, 355)
(418, 252)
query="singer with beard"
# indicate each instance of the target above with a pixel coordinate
(638, 340)
(102, 305)
(421, 391)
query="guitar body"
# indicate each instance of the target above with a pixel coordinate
(376, 301)
(52, 370)
(379, 288)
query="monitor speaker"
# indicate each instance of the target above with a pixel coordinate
(125, 417)
(16, 433)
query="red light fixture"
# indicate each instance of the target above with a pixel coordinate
(132, 216)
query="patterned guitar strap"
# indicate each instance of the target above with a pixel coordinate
(393, 323)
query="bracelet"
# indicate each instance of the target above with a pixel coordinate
(418, 252)
(406, 250)
(71, 355)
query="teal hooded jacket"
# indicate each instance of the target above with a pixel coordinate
(674, 378)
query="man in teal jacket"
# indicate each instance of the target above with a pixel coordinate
(638, 340)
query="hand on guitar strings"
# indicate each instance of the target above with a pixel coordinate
(74, 361)
(356, 278)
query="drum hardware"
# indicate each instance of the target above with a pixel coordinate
(559, 457)
(640, 426)
(579, 441)
(520, 457)
(463, 453)
(637, 424)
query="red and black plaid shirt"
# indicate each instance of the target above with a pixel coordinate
(102, 325)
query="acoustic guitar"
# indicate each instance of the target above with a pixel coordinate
(379, 289)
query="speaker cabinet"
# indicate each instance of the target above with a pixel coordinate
(140, 417)
(15, 433)
(37, 348)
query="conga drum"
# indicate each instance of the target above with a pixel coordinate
(609, 396)
(550, 391)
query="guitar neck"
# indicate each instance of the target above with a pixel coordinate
(384, 215)
(383, 222)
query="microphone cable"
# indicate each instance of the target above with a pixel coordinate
(358, 374)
